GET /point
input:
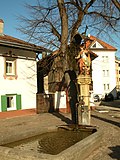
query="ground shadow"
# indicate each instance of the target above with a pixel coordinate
(69, 84)
(73, 94)
(115, 152)
(62, 117)
(107, 120)
(115, 103)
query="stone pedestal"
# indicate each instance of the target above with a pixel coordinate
(44, 103)
(84, 105)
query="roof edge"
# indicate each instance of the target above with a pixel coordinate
(104, 44)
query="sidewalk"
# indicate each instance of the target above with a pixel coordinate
(15, 125)
(16, 113)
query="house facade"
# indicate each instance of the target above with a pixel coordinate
(103, 68)
(117, 66)
(18, 79)
(103, 74)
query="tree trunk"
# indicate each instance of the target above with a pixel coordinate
(64, 26)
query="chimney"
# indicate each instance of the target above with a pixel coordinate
(1, 26)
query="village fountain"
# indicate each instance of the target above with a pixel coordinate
(70, 141)
(82, 79)
(84, 60)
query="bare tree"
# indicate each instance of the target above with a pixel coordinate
(54, 23)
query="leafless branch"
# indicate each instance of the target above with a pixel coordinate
(117, 4)
(61, 19)
(88, 5)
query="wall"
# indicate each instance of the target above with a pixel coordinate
(98, 65)
(25, 84)
(117, 63)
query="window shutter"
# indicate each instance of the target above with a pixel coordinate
(3, 103)
(18, 102)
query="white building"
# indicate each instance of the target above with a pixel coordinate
(103, 68)
(18, 79)
(103, 74)
(117, 63)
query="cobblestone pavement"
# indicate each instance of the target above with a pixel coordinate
(109, 124)
(105, 118)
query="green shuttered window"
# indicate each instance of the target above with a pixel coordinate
(3, 103)
(18, 102)
(6, 102)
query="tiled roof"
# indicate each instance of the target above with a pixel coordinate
(105, 45)
(17, 43)
(12, 39)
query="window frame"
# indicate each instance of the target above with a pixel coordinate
(13, 74)
(12, 68)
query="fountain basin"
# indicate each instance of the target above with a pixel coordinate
(79, 149)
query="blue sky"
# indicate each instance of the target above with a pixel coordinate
(10, 10)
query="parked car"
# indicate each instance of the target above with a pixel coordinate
(109, 97)
(96, 98)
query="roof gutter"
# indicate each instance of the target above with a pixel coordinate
(22, 46)
(103, 49)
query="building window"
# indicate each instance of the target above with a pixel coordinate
(117, 72)
(94, 45)
(106, 87)
(105, 58)
(11, 102)
(105, 73)
(10, 68)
